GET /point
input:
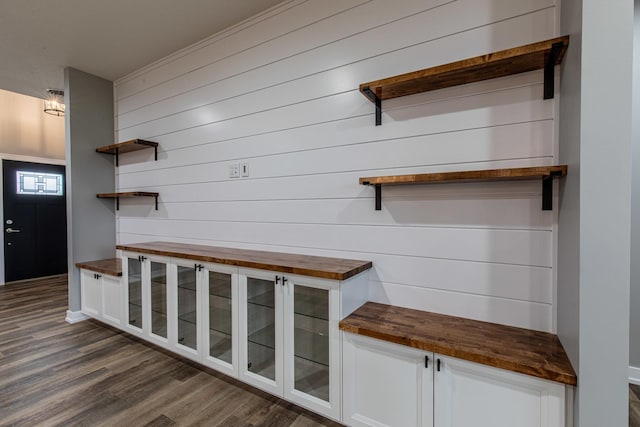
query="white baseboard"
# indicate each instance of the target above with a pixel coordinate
(634, 375)
(75, 316)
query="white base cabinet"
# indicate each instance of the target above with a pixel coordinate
(387, 384)
(101, 297)
(278, 332)
(219, 308)
(290, 341)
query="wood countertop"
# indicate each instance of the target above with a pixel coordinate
(526, 351)
(110, 266)
(306, 265)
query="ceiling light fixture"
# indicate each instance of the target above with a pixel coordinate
(54, 104)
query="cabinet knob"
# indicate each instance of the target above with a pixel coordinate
(277, 280)
(438, 365)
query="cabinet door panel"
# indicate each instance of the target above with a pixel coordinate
(112, 300)
(134, 294)
(187, 307)
(312, 344)
(386, 384)
(220, 314)
(261, 328)
(311, 341)
(260, 362)
(468, 393)
(90, 293)
(159, 299)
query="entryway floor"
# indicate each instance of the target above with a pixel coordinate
(634, 405)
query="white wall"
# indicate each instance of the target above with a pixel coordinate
(25, 130)
(634, 333)
(91, 227)
(595, 224)
(280, 93)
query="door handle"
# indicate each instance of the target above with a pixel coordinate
(11, 230)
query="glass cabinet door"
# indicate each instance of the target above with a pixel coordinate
(312, 344)
(311, 341)
(220, 317)
(134, 292)
(261, 327)
(187, 307)
(159, 299)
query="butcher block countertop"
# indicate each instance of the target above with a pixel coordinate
(306, 265)
(526, 351)
(110, 266)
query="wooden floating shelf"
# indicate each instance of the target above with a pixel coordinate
(127, 147)
(546, 173)
(128, 194)
(541, 55)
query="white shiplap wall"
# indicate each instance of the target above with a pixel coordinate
(280, 92)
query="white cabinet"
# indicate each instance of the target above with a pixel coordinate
(290, 341)
(386, 384)
(146, 297)
(188, 307)
(220, 318)
(468, 393)
(391, 385)
(185, 308)
(132, 295)
(101, 296)
(111, 300)
(278, 332)
(90, 297)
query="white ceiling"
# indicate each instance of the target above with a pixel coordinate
(107, 38)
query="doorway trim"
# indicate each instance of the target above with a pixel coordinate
(17, 157)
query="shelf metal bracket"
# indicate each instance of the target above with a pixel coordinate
(374, 98)
(116, 154)
(549, 68)
(156, 197)
(155, 149)
(378, 188)
(117, 203)
(547, 191)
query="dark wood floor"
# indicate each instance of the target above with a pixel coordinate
(634, 405)
(86, 374)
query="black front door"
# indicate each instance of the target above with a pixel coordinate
(35, 220)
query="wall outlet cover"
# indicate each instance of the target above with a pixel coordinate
(234, 170)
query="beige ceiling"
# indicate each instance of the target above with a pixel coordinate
(107, 38)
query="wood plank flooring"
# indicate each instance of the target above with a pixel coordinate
(56, 374)
(634, 405)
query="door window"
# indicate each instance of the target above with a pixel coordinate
(39, 183)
